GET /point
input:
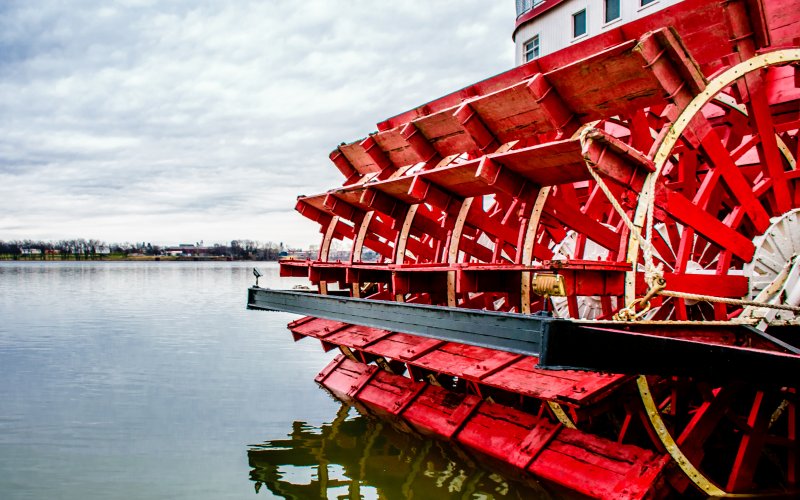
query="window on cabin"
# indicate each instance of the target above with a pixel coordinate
(579, 23)
(612, 10)
(530, 49)
(524, 6)
(646, 2)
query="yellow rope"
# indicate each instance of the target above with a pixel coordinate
(653, 273)
(725, 300)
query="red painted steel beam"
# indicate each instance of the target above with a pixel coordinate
(344, 166)
(492, 225)
(373, 242)
(573, 218)
(616, 160)
(475, 249)
(476, 128)
(312, 213)
(343, 230)
(358, 158)
(319, 272)
(553, 105)
(396, 207)
(368, 273)
(379, 157)
(735, 181)
(382, 228)
(674, 68)
(423, 191)
(502, 179)
(768, 146)
(384, 203)
(293, 268)
(723, 285)
(339, 207)
(417, 141)
(577, 282)
(701, 221)
(421, 251)
(550, 164)
(396, 147)
(446, 134)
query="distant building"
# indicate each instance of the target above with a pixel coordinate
(546, 26)
(187, 249)
(298, 254)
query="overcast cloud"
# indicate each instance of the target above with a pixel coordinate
(175, 121)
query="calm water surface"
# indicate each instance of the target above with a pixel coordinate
(151, 380)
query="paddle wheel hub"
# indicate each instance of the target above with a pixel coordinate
(586, 266)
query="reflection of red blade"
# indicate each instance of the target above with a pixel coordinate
(581, 462)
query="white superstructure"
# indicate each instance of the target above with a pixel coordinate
(545, 26)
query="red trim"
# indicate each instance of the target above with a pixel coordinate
(534, 13)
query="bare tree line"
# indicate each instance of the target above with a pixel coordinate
(91, 249)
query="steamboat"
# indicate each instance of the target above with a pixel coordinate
(585, 267)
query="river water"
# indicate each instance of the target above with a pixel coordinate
(150, 380)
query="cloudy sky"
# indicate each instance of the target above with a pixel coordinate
(180, 120)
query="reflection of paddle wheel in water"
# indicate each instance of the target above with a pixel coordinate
(642, 184)
(360, 457)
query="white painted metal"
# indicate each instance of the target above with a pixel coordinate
(774, 272)
(554, 27)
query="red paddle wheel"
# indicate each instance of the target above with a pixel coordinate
(636, 197)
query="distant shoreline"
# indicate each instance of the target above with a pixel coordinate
(138, 258)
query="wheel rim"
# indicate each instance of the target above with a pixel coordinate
(687, 251)
(748, 218)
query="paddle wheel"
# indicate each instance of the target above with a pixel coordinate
(585, 267)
